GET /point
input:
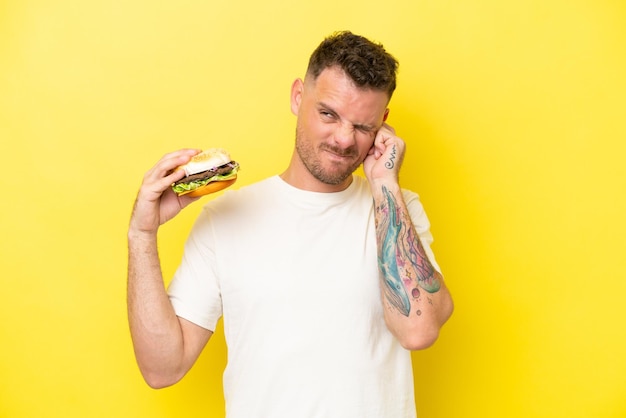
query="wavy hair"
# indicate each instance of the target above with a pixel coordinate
(365, 62)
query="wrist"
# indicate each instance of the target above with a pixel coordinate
(141, 235)
(390, 184)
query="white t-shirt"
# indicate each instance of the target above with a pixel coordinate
(295, 276)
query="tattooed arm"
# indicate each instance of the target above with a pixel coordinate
(416, 300)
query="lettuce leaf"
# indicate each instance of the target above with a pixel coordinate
(187, 187)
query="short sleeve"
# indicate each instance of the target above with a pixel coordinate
(194, 290)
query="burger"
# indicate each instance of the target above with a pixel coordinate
(207, 172)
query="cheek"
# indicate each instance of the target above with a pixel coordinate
(318, 128)
(363, 149)
(365, 144)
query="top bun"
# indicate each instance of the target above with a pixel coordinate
(206, 160)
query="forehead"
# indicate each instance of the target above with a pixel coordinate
(335, 89)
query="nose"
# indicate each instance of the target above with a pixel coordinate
(345, 135)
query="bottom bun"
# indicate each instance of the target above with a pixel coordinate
(214, 186)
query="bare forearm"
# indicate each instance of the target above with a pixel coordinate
(165, 346)
(417, 303)
(155, 328)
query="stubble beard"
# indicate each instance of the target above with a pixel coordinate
(310, 157)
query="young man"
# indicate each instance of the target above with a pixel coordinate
(325, 280)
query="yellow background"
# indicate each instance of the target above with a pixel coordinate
(513, 112)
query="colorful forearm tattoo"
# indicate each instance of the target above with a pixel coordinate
(401, 257)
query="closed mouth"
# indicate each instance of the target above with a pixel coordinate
(338, 152)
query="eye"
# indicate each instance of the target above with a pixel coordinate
(365, 130)
(327, 115)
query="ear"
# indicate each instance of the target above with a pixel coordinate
(297, 89)
(385, 115)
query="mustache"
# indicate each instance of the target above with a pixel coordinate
(343, 152)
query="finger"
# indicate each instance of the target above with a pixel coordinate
(163, 174)
(389, 128)
(185, 200)
(379, 141)
(167, 165)
(175, 159)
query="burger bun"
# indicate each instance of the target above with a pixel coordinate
(206, 160)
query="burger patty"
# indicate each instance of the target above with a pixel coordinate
(223, 169)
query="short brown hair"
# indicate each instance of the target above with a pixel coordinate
(365, 62)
